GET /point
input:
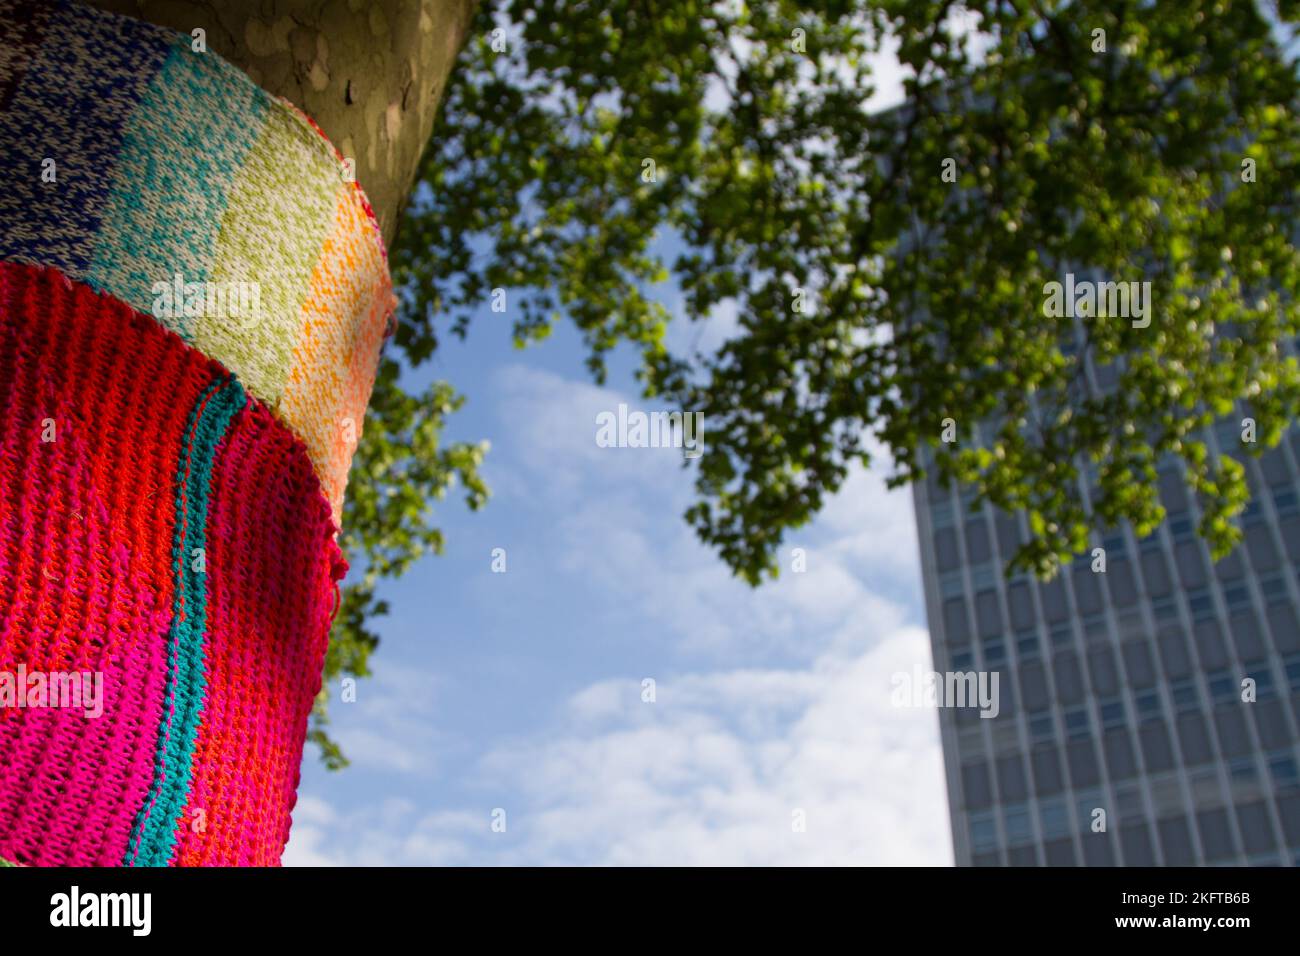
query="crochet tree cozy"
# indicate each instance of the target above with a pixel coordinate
(193, 296)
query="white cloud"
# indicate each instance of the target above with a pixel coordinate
(872, 529)
(767, 702)
(312, 819)
(712, 772)
(617, 513)
(397, 732)
(551, 424)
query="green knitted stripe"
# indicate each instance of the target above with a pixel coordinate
(4, 862)
(154, 832)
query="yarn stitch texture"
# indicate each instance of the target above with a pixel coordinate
(174, 163)
(170, 481)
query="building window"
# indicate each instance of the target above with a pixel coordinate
(1283, 768)
(1284, 500)
(1019, 828)
(1201, 604)
(970, 740)
(1062, 636)
(1027, 646)
(1263, 676)
(941, 514)
(1094, 628)
(1243, 772)
(951, 584)
(1292, 664)
(994, 652)
(1086, 803)
(962, 661)
(1253, 513)
(1236, 596)
(982, 578)
(983, 832)
(1166, 793)
(1076, 724)
(1112, 714)
(1181, 527)
(1164, 609)
(1042, 727)
(1274, 589)
(1128, 800)
(1183, 692)
(1054, 818)
(1115, 545)
(1148, 704)
(1223, 689)
(1205, 788)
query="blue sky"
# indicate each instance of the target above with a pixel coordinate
(522, 691)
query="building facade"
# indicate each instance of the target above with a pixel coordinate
(1126, 734)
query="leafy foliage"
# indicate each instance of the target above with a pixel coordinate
(924, 296)
(399, 469)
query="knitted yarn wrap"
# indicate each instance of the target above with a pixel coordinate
(193, 295)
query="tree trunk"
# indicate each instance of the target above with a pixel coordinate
(193, 299)
(371, 73)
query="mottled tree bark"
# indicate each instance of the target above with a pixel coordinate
(371, 73)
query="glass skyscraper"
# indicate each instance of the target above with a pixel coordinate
(1122, 691)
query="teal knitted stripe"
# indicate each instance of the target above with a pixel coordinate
(154, 832)
(194, 99)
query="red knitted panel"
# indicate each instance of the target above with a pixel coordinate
(85, 554)
(90, 553)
